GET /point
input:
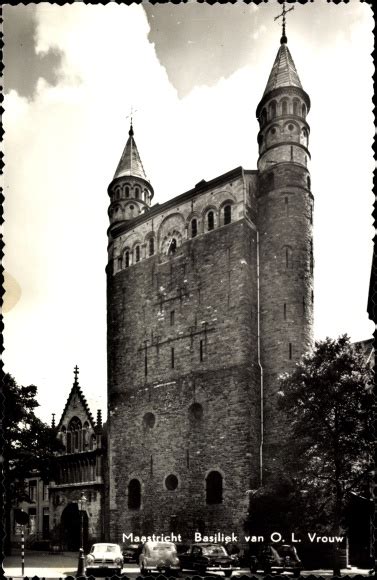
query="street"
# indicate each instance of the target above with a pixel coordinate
(61, 565)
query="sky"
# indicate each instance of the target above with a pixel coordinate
(194, 75)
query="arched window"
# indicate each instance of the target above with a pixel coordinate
(308, 182)
(303, 109)
(120, 263)
(151, 246)
(172, 246)
(117, 194)
(195, 413)
(127, 191)
(284, 107)
(227, 214)
(210, 220)
(295, 106)
(74, 427)
(126, 258)
(137, 254)
(272, 109)
(214, 487)
(264, 116)
(137, 192)
(134, 494)
(194, 228)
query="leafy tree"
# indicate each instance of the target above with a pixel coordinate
(29, 444)
(330, 405)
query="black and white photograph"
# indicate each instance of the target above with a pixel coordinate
(188, 308)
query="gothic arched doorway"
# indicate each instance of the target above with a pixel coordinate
(71, 527)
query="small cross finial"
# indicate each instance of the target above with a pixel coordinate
(130, 116)
(53, 420)
(76, 374)
(284, 39)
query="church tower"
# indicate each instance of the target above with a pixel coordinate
(130, 191)
(285, 218)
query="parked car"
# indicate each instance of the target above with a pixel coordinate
(204, 558)
(132, 552)
(104, 557)
(275, 558)
(159, 556)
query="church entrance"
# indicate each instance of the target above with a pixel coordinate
(71, 523)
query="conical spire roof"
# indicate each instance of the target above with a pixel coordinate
(130, 162)
(283, 73)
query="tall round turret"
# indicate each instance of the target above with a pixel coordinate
(285, 217)
(130, 191)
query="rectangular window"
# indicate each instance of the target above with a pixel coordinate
(290, 350)
(32, 521)
(172, 316)
(33, 490)
(285, 311)
(45, 491)
(201, 351)
(172, 358)
(146, 362)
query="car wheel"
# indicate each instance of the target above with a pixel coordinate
(143, 571)
(228, 573)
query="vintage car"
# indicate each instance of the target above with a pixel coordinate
(204, 558)
(159, 556)
(131, 552)
(277, 558)
(104, 557)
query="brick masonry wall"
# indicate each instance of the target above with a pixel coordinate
(210, 285)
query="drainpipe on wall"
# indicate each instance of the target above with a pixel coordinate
(261, 373)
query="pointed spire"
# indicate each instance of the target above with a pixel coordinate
(283, 73)
(130, 162)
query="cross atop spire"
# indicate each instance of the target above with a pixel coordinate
(130, 116)
(76, 374)
(284, 39)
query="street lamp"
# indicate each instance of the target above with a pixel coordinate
(81, 503)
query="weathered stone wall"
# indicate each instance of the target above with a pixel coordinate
(286, 282)
(201, 302)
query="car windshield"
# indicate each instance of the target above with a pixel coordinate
(104, 548)
(164, 548)
(214, 551)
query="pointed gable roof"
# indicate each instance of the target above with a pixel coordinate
(76, 401)
(130, 162)
(283, 73)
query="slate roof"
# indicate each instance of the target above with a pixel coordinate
(130, 162)
(283, 73)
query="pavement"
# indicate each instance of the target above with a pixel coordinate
(61, 565)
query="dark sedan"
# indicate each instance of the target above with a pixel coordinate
(278, 559)
(203, 558)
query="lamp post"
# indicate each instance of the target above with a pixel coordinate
(81, 503)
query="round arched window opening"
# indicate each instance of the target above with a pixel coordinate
(196, 412)
(214, 487)
(149, 420)
(273, 131)
(171, 482)
(131, 207)
(291, 127)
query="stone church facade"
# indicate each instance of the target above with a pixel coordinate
(209, 300)
(77, 492)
